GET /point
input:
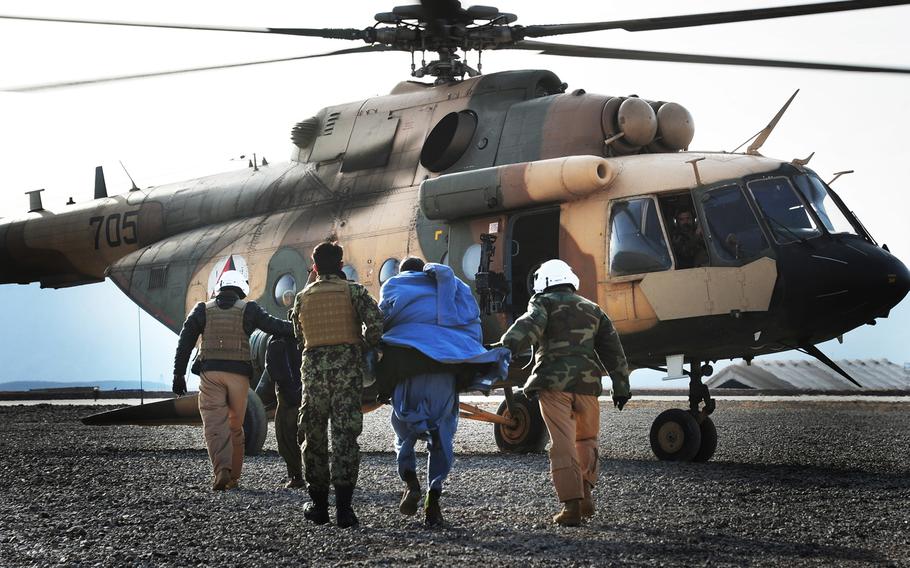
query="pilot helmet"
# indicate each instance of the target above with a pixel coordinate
(554, 273)
(234, 279)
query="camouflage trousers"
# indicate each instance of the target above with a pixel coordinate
(332, 390)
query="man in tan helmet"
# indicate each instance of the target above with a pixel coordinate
(225, 323)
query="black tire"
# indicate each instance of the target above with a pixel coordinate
(255, 424)
(675, 436)
(530, 433)
(259, 343)
(708, 440)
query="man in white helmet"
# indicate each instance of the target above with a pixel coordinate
(225, 324)
(576, 343)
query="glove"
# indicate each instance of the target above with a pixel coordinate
(179, 385)
(620, 401)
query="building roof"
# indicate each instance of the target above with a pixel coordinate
(873, 374)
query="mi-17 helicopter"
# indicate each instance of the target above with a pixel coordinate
(493, 174)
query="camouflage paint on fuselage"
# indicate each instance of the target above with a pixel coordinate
(355, 176)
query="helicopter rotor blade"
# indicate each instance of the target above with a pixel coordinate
(329, 33)
(95, 81)
(570, 50)
(692, 20)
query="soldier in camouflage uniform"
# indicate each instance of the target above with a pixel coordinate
(332, 319)
(576, 343)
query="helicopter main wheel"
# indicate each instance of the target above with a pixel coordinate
(255, 424)
(675, 436)
(529, 435)
(708, 440)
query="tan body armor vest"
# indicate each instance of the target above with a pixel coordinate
(327, 315)
(223, 337)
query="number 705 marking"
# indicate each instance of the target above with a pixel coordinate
(118, 229)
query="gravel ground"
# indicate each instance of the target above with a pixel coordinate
(792, 483)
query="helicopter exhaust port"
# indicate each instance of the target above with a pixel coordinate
(513, 186)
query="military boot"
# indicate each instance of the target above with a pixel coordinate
(587, 503)
(295, 482)
(432, 510)
(317, 510)
(222, 480)
(344, 512)
(570, 516)
(410, 498)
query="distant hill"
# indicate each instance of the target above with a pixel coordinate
(103, 385)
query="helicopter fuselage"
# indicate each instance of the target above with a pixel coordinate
(784, 263)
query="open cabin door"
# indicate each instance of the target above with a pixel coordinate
(522, 242)
(534, 240)
(464, 257)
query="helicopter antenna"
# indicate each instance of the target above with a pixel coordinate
(749, 139)
(763, 135)
(838, 174)
(135, 187)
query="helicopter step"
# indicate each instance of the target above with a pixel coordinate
(687, 435)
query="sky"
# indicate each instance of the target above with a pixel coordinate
(174, 128)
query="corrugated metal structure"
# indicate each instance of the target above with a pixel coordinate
(873, 374)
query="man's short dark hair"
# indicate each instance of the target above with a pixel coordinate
(681, 211)
(327, 257)
(411, 264)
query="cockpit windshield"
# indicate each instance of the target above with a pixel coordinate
(783, 209)
(735, 235)
(824, 204)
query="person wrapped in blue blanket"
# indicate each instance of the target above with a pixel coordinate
(432, 349)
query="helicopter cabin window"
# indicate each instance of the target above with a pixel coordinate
(827, 209)
(637, 242)
(350, 273)
(389, 268)
(471, 261)
(783, 210)
(734, 233)
(285, 288)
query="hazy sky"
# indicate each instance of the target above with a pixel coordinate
(174, 128)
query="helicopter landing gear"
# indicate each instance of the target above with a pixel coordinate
(687, 435)
(527, 432)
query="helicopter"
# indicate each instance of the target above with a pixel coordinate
(493, 174)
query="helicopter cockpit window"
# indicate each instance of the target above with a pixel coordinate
(734, 232)
(824, 205)
(783, 210)
(637, 242)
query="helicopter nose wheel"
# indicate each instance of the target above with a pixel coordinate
(687, 435)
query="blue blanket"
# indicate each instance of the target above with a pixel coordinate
(434, 312)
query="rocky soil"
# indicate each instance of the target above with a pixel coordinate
(792, 484)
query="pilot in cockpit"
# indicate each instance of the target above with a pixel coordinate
(688, 242)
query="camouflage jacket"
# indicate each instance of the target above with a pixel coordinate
(576, 343)
(364, 305)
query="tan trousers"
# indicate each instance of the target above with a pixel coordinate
(222, 404)
(573, 421)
